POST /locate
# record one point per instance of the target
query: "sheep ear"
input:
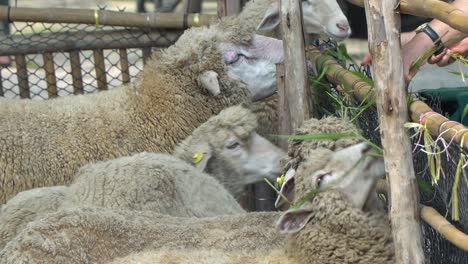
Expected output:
(271, 19)
(201, 157)
(209, 81)
(294, 220)
(286, 191)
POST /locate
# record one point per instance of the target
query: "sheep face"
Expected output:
(319, 17)
(254, 156)
(228, 148)
(254, 64)
(353, 170)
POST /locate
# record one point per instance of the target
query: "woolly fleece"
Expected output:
(27, 206)
(153, 182)
(45, 142)
(337, 233)
(98, 235)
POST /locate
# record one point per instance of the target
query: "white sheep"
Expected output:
(45, 142)
(226, 146)
(330, 228)
(320, 17)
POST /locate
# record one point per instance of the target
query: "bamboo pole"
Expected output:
(22, 73)
(436, 221)
(419, 111)
(50, 74)
(82, 40)
(391, 98)
(296, 81)
(433, 9)
(444, 227)
(124, 66)
(104, 17)
(76, 72)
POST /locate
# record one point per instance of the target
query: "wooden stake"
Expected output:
(228, 8)
(294, 62)
(391, 100)
(284, 116)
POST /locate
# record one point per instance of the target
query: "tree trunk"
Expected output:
(391, 100)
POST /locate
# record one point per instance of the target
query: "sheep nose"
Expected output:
(343, 27)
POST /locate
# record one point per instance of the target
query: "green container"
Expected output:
(453, 101)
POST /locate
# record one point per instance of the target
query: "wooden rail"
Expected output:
(104, 18)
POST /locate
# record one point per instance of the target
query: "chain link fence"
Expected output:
(51, 59)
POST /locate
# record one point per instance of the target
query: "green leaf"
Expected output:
(423, 185)
(412, 125)
(465, 112)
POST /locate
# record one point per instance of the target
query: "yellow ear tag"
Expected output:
(197, 157)
(280, 180)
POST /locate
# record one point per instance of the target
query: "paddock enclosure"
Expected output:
(65, 51)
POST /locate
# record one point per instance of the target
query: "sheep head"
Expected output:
(224, 55)
(319, 17)
(353, 170)
(228, 148)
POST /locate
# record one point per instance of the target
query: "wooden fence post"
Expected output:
(227, 8)
(294, 62)
(391, 100)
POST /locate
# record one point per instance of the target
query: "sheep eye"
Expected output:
(320, 179)
(233, 145)
(236, 58)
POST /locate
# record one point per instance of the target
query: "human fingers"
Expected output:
(436, 58)
(367, 59)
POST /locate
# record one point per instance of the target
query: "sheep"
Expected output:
(331, 228)
(299, 151)
(206, 70)
(232, 150)
(226, 147)
(320, 17)
(163, 183)
(25, 207)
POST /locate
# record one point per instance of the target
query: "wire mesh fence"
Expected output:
(51, 59)
(438, 195)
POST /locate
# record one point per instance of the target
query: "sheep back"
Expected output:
(98, 235)
(148, 181)
(25, 207)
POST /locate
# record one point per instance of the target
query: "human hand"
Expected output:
(445, 57)
(405, 37)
